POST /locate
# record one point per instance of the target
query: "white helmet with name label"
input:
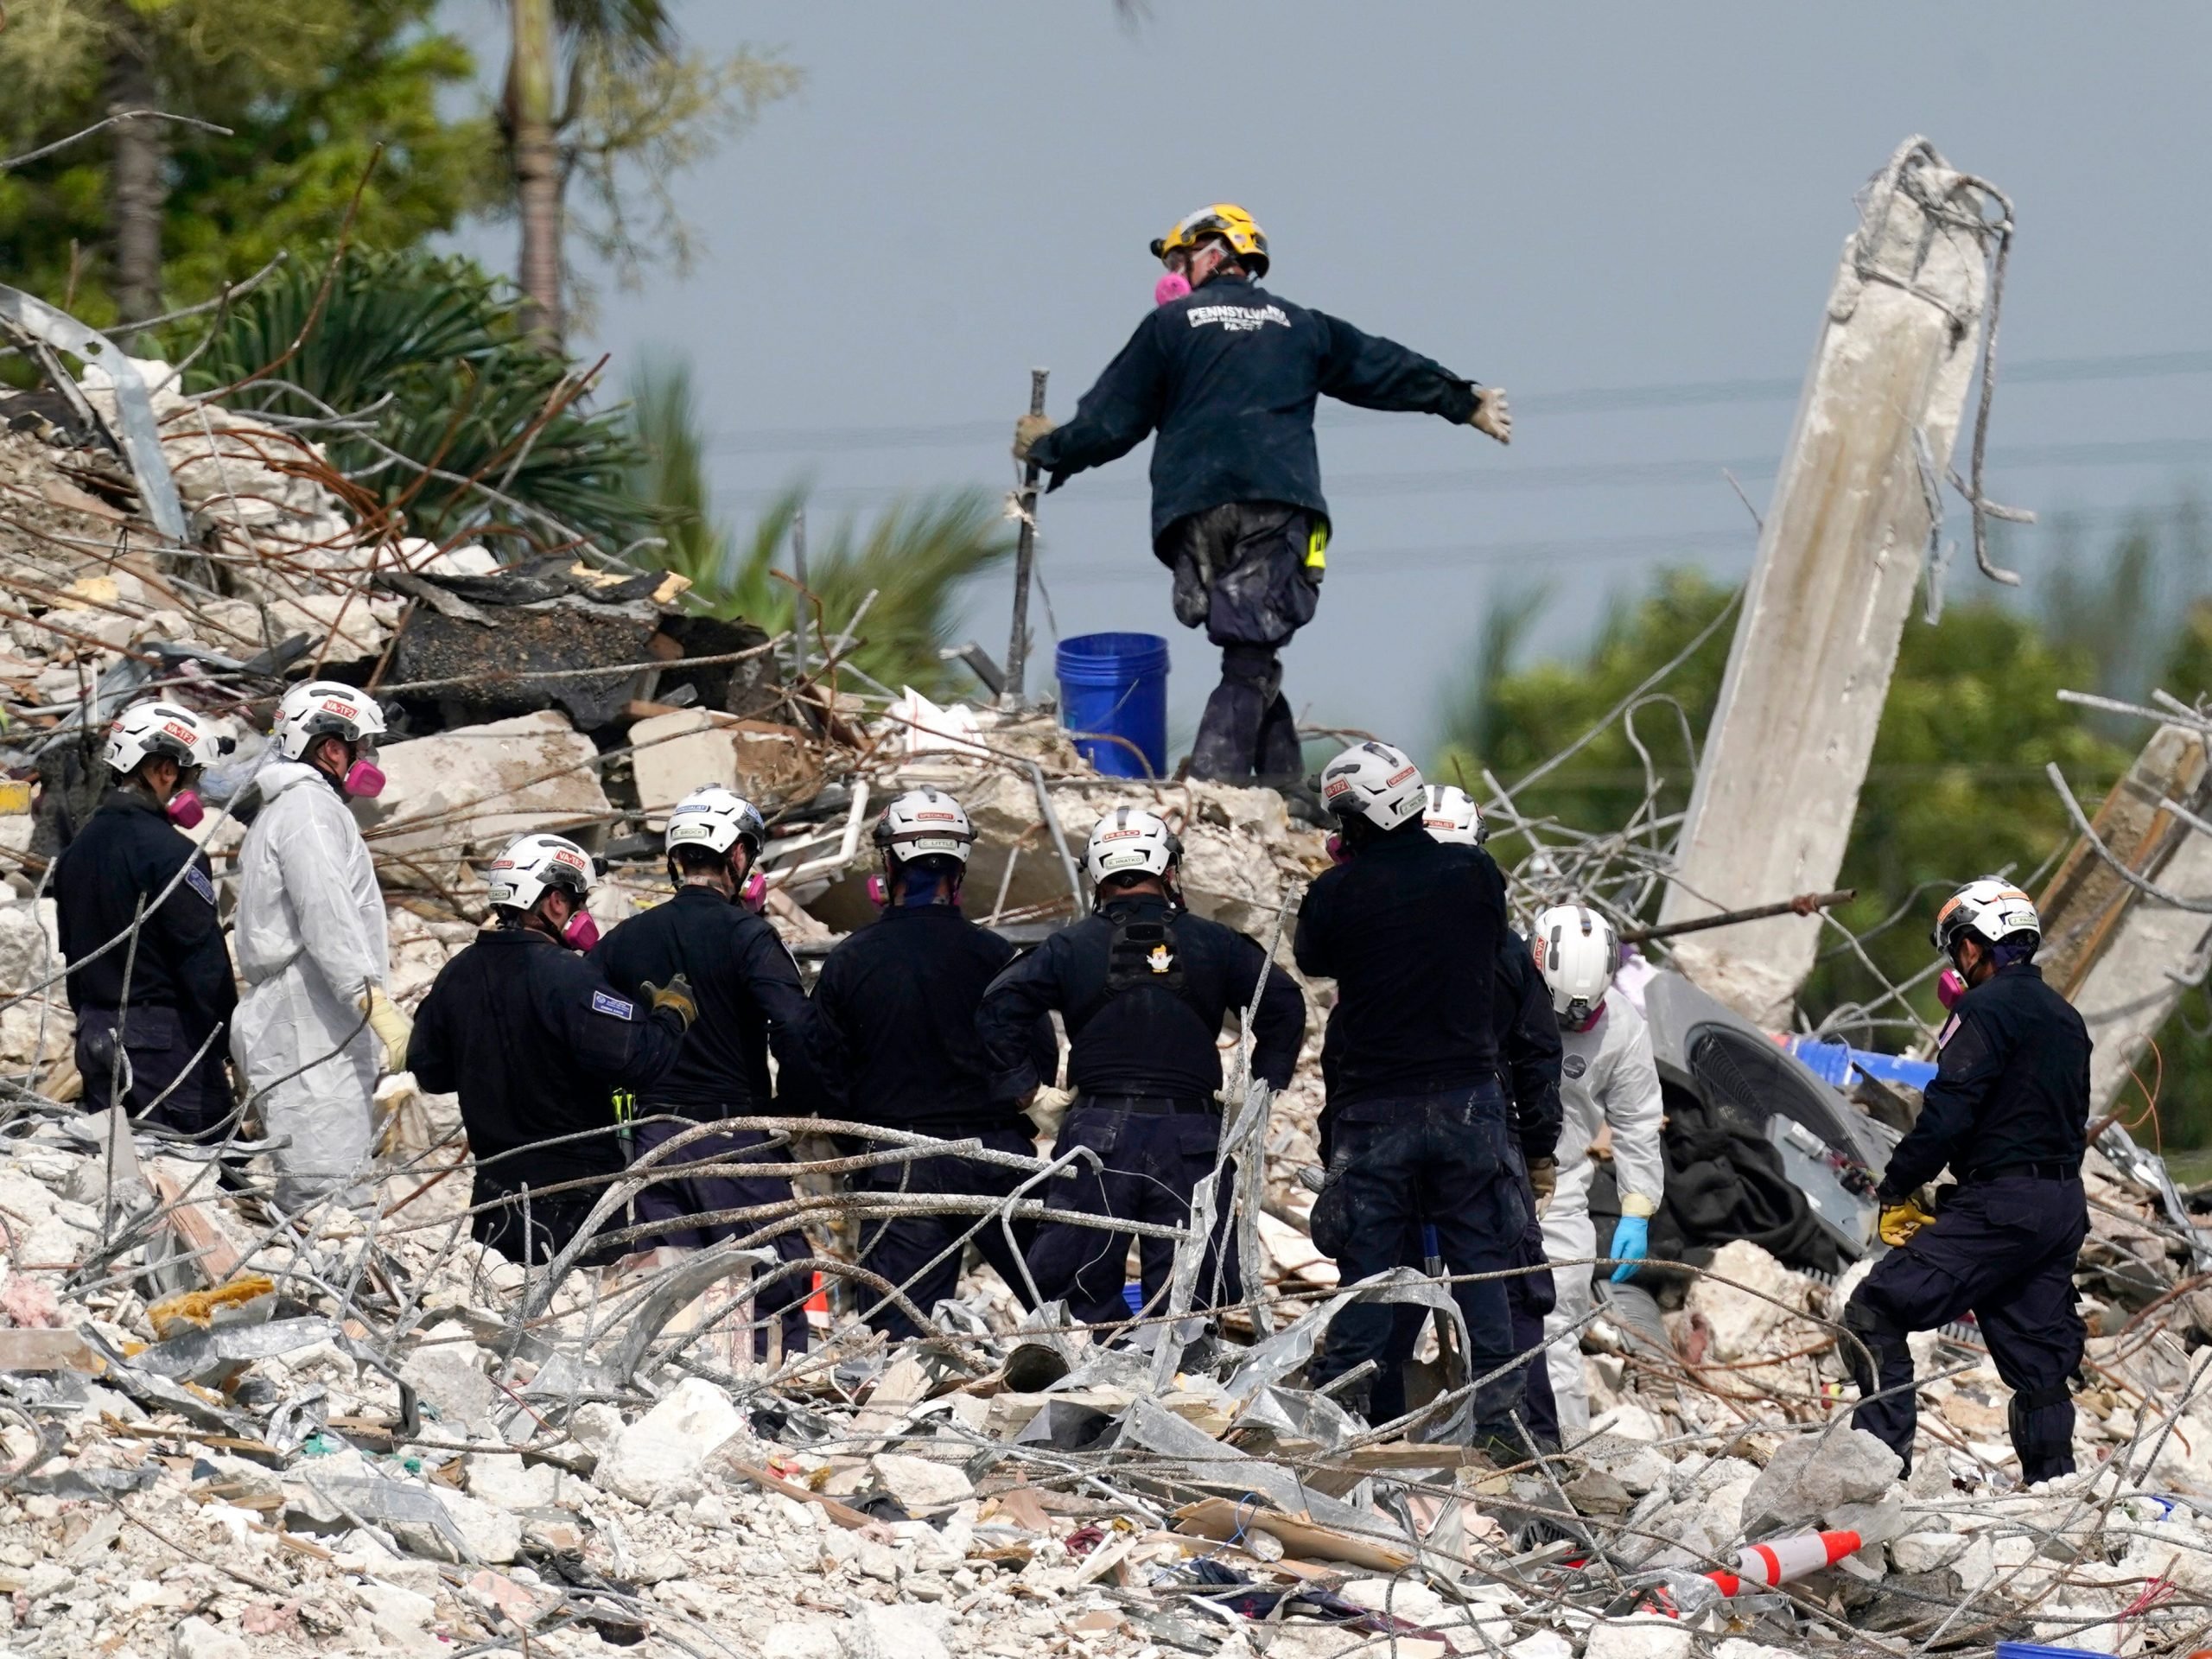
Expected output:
(717, 819)
(1991, 910)
(924, 823)
(167, 728)
(1452, 816)
(318, 707)
(1577, 951)
(1376, 782)
(520, 875)
(1129, 839)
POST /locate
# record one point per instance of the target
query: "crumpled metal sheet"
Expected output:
(198, 1355)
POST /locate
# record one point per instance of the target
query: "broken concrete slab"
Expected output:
(468, 791)
(658, 1458)
(1812, 1475)
(675, 754)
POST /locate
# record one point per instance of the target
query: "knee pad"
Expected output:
(1257, 666)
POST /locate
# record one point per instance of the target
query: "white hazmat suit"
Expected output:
(1607, 1076)
(310, 939)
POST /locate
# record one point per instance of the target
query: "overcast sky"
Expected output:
(1557, 199)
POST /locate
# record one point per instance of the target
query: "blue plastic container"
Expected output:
(2030, 1650)
(1132, 1294)
(1114, 685)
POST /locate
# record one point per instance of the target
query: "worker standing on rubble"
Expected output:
(1528, 1054)
(315, 1024)
(750, 1000)
(894, 1042)
(1611, 1080)
(1416, 1130)
(149, 1010)
(533, 1039)
(2008, 1112)
(1228, 374)
(1142, 986)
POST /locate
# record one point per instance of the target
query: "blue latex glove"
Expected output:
(1631, 1239)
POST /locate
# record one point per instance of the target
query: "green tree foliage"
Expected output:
(309, 88)
(434, 351)
(914, 557)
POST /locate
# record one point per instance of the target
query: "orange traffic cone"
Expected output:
(1762, 1567)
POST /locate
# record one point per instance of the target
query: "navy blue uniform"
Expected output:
(2008, 1112)
(180, 991)
(1228, 377)
(894, 1041)
(534, 1040)
(751, 1003)
(1417, 1129)
(1142, 989)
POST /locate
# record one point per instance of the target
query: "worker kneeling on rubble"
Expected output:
(534, 1040)
(712, 937)
(1609, 1079)
(1416, 1130)
(1227, 375)
(149, 1010)
(315, 1024)
(894, 1042)
(2008, 1111)
(1142, 986)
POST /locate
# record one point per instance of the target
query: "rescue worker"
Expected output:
(1142, 986)
(533, 1039)
(1528, 1064)
(1227, 375)
(750, 1001)
(315, 1024)
(894, 1042)
(1416, 1127)
(2008, 1112)
(148, 1017)
(1609, 1079)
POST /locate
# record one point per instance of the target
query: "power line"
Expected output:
(1589, 400)
(2127, 452)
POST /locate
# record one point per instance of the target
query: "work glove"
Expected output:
(1543, 1181)
(1900, 1221)
(393, 1028)
(1026, 431)
(676, 994)
(1047, 1108)
(1631, 1243)
(1491, 416)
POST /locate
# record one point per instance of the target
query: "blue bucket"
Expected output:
(2030, 1650)
(1115, 686)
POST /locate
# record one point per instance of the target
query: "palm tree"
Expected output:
(913, 558)
(592, 85)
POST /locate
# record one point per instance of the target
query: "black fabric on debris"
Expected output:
(1725, 1181)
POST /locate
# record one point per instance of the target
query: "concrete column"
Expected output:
(1840, 555)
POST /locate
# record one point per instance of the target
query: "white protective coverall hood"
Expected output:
(310, 938)
(1607, 1076)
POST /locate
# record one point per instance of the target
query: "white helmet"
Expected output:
(924, 823)
(1991, 909)
(1129, 838)
(530, 864)
(148, 728)
(1452, 816)
(1376, 782)
(1577, 951)
(315, 707)
(717, 819)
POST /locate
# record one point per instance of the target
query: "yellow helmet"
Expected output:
(1226, 220)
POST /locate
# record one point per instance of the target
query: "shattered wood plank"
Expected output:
(1219, 1518)
(844, 1515)
(212, 1257)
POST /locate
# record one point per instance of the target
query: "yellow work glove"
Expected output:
(392, 1027)
(1491, 416)
(676, 994)
(1900, 1221)
(1048, 1108)
(1026, 431)
(1543, 1181)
